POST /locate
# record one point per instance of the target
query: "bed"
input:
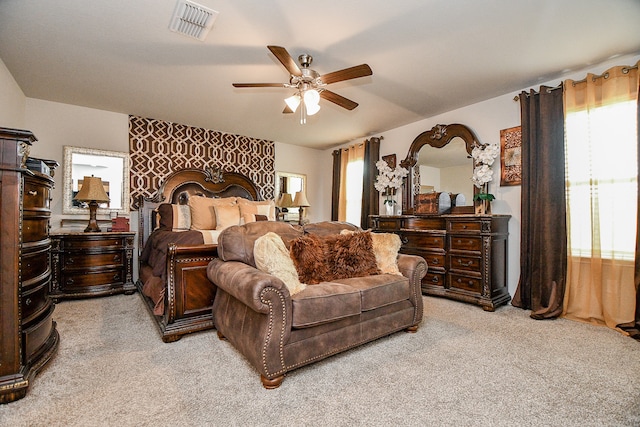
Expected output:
(172, 259)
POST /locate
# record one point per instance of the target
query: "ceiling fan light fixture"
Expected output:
(312, 108)
(293, 102)
(311, 97)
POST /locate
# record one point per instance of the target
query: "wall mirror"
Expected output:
(110, 166)
(439, 160)
(290, 183)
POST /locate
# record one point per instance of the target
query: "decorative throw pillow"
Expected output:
(259, 207)
(272, 256)
(385, 248)
(326, 258)
(203, 216)
(174, 217)
(226, 216)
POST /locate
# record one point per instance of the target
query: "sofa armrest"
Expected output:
(246, 283)
(414, 268)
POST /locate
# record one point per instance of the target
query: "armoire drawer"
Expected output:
(34, 264)
(35, 301)
(36, 196)
(35, 229)
(35, 336)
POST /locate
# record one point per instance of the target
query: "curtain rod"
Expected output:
(625, 70)
(549, 89)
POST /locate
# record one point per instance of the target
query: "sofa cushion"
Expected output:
(272, 256)
(379, 290)
(326, 258)
(323, 303)
(236, 243)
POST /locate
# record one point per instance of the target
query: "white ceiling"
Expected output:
(427, 56)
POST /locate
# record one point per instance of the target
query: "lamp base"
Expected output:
(93, 223)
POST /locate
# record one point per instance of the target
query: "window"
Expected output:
(601, 171)
(354, 191)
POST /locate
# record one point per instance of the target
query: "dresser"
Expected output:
(28, 335)
(466, 254)
(87, 264)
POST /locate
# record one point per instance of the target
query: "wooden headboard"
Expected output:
(179, 186)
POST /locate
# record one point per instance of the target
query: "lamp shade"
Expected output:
(301, 200)
(92, 190)
(285, 201)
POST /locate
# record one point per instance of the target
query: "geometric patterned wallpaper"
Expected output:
(158, 148)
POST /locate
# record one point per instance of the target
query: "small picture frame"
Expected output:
(511, 156)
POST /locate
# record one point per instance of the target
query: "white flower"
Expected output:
(389, 178)
(484, 156)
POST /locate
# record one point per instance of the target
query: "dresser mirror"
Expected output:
(439, 160)
(290, 183)
(112, 167)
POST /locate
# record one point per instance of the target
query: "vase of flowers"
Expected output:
(483, 158)
(388, 182)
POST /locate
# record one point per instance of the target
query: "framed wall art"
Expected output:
(510, 156)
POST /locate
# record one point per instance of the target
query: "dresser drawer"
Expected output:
(467, 283)
(36, 196)
(465, 263)
(81, 281)
(35, 301)
(466, 243)
(422, 240)
(88, 243)
(434, 260)
(35, 336)
(84, 260)
(35, 229)
(433, 279)
(34, 264)
(465, 226)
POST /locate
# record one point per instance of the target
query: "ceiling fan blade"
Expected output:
(347, 74)
(286, 60)
(338, 99)
(259, 85)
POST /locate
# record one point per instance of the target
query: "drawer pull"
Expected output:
(464, 264)
(435, 279)
(116, 276)
(464, 227)
(32, 192)
(434, 261)
(117, 258)
(404, 240)
(470, 282)
(69, 281)
(27, 301)
(70, 261)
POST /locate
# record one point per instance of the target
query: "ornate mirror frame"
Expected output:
(437, 137)
(67, 188)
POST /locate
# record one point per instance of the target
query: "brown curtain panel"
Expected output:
(543, 247)
(335, 184)
(370, 196)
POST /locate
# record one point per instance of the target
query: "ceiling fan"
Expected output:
(310, 86)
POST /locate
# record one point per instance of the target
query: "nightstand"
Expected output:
(91, 264)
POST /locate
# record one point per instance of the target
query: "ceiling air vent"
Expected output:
(192, 19)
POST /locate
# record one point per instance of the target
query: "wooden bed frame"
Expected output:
(189, 294)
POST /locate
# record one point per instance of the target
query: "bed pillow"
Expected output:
(226, 216)
(262, 207)
(338, 256)
(272, 256)
(174, 217)
(385, 248)
(203, 216)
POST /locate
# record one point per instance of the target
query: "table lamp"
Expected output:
(301, 202)
(92, 191)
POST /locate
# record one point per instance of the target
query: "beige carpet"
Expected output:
(464, 367)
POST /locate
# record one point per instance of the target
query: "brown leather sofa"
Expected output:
(277, 332)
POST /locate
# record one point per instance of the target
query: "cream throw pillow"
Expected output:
(226, 216)
(385, 247)
(272, 256)
(203, 216)
(262, 207)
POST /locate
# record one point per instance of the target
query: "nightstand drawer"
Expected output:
(92, 243)
(80, 281)
(466, 243)
(83, 261)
